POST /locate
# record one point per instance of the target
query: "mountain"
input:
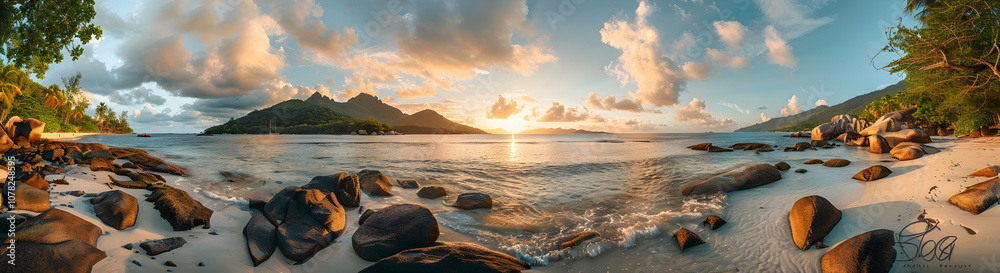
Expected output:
(557, 131)
(288, 117)
(822, 114)
(364, 106)
(499, 131)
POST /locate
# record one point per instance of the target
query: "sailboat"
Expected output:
(270, 128)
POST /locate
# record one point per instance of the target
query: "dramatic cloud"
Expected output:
(731, 33)
(300, 19)
(137, 96)
(561, 113)
(764, 118)
(658, 79)
(820, 102)
(792, 15)
(695, 113)
(425, 90)
(611, 103)
(778, 51)
(792, 107)
(503, 108)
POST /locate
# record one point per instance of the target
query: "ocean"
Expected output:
(544, 187)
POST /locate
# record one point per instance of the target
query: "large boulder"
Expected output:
(877, 144)
(838, 125)
(990, 171)
(749, 146)
(54, 241)
(314, 219)
(709, 147)
(431, 192)
(28, 198)
(802, 146)
(374, 183)
(157, 247)
(812, 218)
(855, 139)
(907, 135)
(178, 208)
(5, 142)
(750, 177)
(36, 180)
(260, 236)
(782, 166)
(116, 209)
(869, 252)
(345, 187)
(276, 208)
(978, 197)
(31, 129)
(891, 122)
(907, 151)
(872, 173)
(449, 258)
(393, 229)
(473, 201)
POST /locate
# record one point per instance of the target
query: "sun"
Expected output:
(512, 125)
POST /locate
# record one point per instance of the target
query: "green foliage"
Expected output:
(370, 125)
(68, 128)
(35, 32)
(289, 117)
(62, 110)
(89, 128)
(950, 62)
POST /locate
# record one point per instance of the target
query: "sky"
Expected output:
(618, 66)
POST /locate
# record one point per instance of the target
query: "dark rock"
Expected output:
(577, 239)
(116, 208)
(801, 171)
(201, 264)
(144, 135)
(751, 176)
(473, 201)
(374, 183)
(256, 203)
(29, 128)
(170, 264)
(872, 173)
(749, 146)
(276, 208)
(28, 198)
(708, 147)
(52, 154)
(37, 181)
(819, 143)
(314, 219)
(855, 139)
(687, 239)
(802, 146)
(76, 193)
(261, 238)
(449, 258)
(408, 184)
(99, 154)
(782, 166)
(127, 246)
(156, 247)
(990, 171)
(877, 144)
(977, 198)
(869, 252)
(364, 216)
(837, 162)
(393, 229)
(813, 162)
(812, 218)
(182, 211)
(713, 221)
(431, 192)
(345, 187)
(763, 149)
(55, 241)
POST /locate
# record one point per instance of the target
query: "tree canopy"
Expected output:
(35, 32)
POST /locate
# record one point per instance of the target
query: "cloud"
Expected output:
(734, 107)
(684, 45)
(792, 107)
(561, 113)
(821, 102)
(764, 118)
(360, 86)
(658, 79)
(695, 113)
(792, 15)
(301, 20)
(503, 108)
(778, 51)
(696, 70)
(611, 103)
(137, 96)
(680, 12)
(720, 58)
(731, 33)
(425, 90)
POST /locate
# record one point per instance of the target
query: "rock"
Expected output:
(393, 229)
(364, 216)
(751, 176)
(687, 239)
(408, 184)
(577, 239)
(54, 241)
(260, 237)
(987, 131)
(977, 198)
(802, 146)
(838, 125)
(473, 201)
(820, 143)
(878, 145)
(812, 218)
(837, 162)
(182, 211)
(99, 154)
(14, 218)
(170, 264)
(713, 221)
(749, 146)
(891, 122)
(990, 171)
(345, 187)
(763, 149)
(314, 219)
(5, 142)
(855, 139)
(907, 151)
(782, 166)
(76, 193)
(156, 247)
(103, 164)
(52, 154)
(144, 135)
(374, 183)
(29, 128)
(943, 132)
(801, 171)
(813, 162)
(116, 208)
(708, 147)
(432, 192)
(449, 258)
(869, 252)
(36, 181)
(908, 135)
(28, 198)
(276, 208)
(800, 134)
(171, 169)
(872, 173)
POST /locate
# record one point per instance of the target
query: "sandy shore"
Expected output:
(757, 237)
(66, 136)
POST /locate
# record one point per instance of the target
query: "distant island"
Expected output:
(322, 115)
(558, 131)
(809, 119)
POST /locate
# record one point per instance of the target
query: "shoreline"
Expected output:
(67, 136)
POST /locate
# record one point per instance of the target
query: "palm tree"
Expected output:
(921, 8)
(9, 89)
(102, 112)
